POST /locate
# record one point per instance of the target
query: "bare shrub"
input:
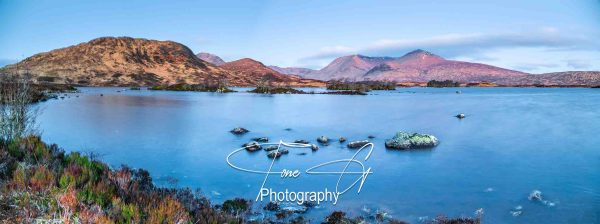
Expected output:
(17, 115)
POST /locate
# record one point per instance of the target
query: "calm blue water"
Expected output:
(514, 141)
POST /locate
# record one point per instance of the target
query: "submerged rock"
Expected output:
(371, 136)
(460, 116)
(342, 139)
(323, 139)
(535, 195)
(277, 153)
(252, 146)
(261, 139)
(357, 144)
(314, 147)
(271, 148)
(239, 131)
(301, 141)
(274, 154)
(404, 140)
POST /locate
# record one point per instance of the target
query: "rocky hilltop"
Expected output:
(210, 58)
(125, 61)
(112, 61)
(251, 71)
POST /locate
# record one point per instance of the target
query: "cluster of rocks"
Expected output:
(536, 195)
(401, 141)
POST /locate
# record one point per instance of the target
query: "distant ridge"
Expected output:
(252, 71)
(422, 66)
(292, 70)
(348, 67)
(210, 58)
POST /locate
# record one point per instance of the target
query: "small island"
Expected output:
(441, 84)
(219, 87)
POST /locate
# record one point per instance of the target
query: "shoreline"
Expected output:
(76, 187)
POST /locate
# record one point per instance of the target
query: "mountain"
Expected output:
(252, 71)
(126, 61)
(210, 58)
(292, 70)
(117, 61)
(348, 67)
(415, 66)
(422, 66)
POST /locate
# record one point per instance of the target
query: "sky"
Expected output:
(534, 36)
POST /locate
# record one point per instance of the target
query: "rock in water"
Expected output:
(300, 141)
(271, 148)
(342, 139)
(535, 195)
(460, 116)
(277, 153)
(404, 140)
(314, 147)
(323, 139)
(239, 131)
(357, 144)
(261, 139)
(274, 154)
(252, 146)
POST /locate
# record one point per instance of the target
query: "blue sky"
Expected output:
(533, 36)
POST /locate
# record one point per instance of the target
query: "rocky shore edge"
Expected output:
(39, 182)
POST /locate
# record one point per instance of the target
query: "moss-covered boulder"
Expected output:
(405, 140)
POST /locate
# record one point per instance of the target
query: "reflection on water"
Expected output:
(513, 141)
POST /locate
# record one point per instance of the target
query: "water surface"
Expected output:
(513, 141)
